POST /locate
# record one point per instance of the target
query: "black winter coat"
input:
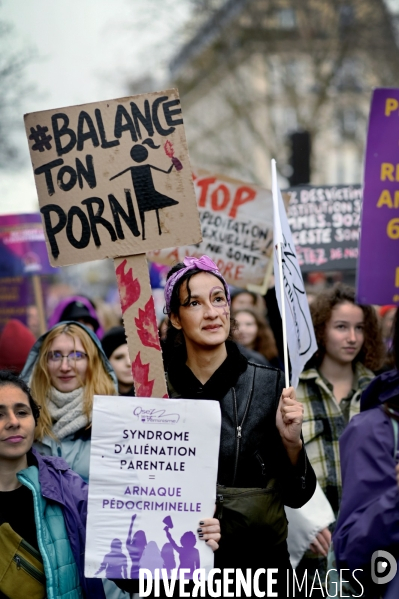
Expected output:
(252, 455)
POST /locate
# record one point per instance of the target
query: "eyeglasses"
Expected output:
(57, 356)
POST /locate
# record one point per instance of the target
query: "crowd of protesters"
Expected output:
(224, 344)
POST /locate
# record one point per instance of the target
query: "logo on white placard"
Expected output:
(153, 416)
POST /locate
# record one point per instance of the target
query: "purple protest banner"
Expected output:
(23, 246)
(23, 255)
(15, 296)
(378, 266)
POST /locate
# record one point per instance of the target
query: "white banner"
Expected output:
(300, 334)
(153, 469)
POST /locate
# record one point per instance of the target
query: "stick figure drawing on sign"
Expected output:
(148, 198)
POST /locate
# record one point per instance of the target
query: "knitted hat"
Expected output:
(384, 309)
(76, 310)
(112, 340)
(16, 341)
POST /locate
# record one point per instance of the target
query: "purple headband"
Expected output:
(203, 263)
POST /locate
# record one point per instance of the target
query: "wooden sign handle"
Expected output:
(37, 291)
(141, 328)
(262, 289)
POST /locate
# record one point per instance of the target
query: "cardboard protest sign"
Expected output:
(114, 180)
(324, 221)
(153, 469)
(378, 270)
(237, 228)
(23, 252)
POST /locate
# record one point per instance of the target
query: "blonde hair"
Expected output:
(98, 381)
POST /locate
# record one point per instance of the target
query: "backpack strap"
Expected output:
(395, 427)
(396, 437)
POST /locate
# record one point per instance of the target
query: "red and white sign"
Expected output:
(237, 229)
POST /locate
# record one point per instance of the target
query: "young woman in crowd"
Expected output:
(79, 309)
(242, 298)
(350, 348)
(253, 333)
(260, 443)
(115, 348)
(369, 513)
(65, 369)
(44, 503)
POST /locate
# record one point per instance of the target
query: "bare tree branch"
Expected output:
(13, 87)
(274, 66)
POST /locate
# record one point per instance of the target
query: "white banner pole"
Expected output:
(280, 268)
(284, 322)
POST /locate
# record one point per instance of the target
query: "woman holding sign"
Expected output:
(65, 369)
(262, 462)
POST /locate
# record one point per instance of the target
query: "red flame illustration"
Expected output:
(169, 149)
(129, 288)
(146, 324)
(142, 385)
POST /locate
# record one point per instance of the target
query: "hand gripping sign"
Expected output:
(114, 181)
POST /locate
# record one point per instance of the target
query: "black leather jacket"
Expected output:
(251, 455)
(251, 450)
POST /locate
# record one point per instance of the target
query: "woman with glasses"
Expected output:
(65, 369)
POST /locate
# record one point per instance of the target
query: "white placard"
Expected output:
(306, 522)
(153, 469)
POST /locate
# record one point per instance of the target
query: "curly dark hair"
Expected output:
(9, 379)
(372, 353)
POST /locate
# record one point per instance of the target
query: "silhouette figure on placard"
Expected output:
(188, 554)
(135, 544)
(151, 558)
(168, 556)
(148, 198)
(114, 562)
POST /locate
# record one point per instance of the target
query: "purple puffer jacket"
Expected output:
(369, 512)
(60, 484)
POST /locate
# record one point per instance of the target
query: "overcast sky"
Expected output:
(87, 49)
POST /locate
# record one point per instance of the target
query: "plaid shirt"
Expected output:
(323, 424)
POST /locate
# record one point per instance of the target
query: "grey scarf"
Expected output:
(66, 411)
